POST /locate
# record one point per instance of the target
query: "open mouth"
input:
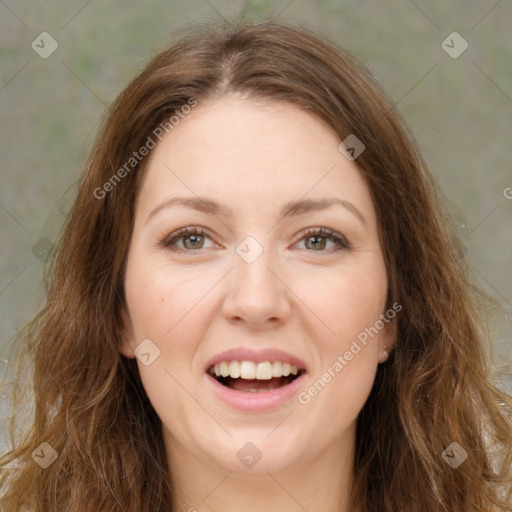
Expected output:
(250, 377)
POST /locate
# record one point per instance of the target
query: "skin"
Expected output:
(311, 302)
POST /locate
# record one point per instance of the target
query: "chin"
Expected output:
(255, 451)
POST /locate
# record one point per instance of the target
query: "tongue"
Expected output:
(252, 384)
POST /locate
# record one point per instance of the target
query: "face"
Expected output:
(267, 278)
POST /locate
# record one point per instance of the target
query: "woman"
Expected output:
(255, 305)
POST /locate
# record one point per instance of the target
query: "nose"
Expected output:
(257, 294)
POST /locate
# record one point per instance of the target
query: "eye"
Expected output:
(317, 239)
(192, 238)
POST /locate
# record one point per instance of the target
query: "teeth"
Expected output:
(264, 370)
(234, 369)
(224, 369)
(277, 369)
(247, 370)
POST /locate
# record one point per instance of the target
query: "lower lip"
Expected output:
(255, 402)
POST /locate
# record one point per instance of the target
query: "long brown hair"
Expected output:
(434, 390)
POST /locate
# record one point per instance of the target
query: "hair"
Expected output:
(434, 389)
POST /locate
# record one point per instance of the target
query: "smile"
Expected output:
(251, 377)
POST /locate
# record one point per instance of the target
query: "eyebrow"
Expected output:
(290, 209)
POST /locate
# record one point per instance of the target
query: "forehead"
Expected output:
(247, 152)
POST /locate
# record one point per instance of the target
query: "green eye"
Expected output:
(319, 238)
(193, 239)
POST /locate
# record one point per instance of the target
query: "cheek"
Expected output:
(161, 299)
(345, 302)
(349, 303)
(171, 309)
(339, 402)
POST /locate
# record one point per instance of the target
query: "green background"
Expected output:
(459, 109)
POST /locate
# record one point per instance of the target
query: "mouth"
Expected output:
(251, 377)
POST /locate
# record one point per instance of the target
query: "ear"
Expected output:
(127, 342)
(387, 341)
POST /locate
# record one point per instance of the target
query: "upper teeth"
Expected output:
(264, 370)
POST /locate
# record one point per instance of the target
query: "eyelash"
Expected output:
(340, 241)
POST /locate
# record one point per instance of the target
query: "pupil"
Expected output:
(193, 239)
(320, 245)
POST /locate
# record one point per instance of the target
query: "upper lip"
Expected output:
(257, 356)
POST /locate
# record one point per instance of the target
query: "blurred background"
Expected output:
(445, 65)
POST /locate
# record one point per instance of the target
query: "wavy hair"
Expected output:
(435, 388)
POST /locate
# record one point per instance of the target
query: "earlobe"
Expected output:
(126, 343)
(386, 343)
(126, 346)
